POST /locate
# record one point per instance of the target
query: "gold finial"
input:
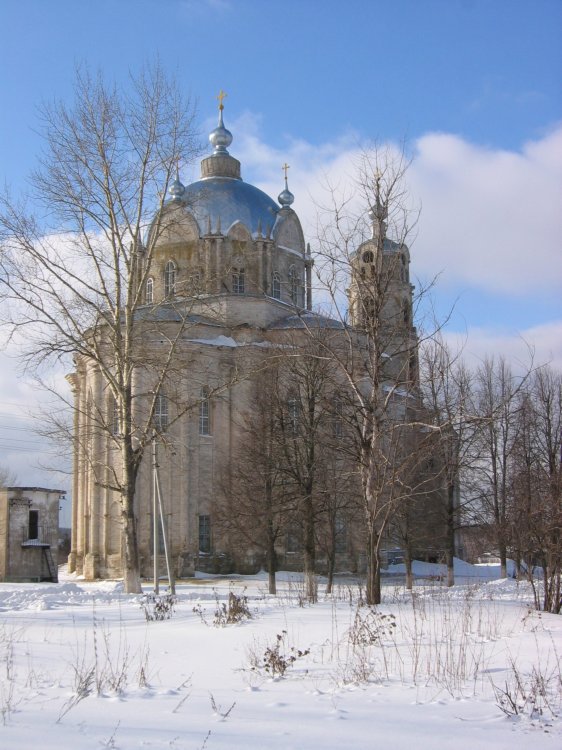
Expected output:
(285, 167)
(220, 97)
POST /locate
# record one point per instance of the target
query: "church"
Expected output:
(230, 282)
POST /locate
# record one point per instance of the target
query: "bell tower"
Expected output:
(381, 298)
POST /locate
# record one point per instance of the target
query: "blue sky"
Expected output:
(472, 85)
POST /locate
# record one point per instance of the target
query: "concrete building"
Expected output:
(29, 531)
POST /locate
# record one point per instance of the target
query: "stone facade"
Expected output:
(229, 277)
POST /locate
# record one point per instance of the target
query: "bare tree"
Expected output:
(375, 356)
(256, 506)
(8, 478)
(447, 387)
(535, 486)
(496, 392)
(73, 273)
(303, 417)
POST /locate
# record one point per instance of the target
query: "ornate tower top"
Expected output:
(220, 137)
(379, 212)
(285, 197)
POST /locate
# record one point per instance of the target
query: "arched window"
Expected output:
(238, 281)
(368, 257)
(276, 286)
(293, 285)
(403, 268)
(149, 292)
(169, 279)
(161, 413)
(204, 413)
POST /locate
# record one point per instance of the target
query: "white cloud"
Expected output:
(490, 218)
(536, 346)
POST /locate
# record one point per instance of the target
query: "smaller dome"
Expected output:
(176, 189)
(220, 137)
(285, 197)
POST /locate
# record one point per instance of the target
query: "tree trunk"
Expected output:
(503, 559)
(331, 570)
(131, 561)
(131, 566)
(271, 564)
(450, 548)
(408, 564)
(373, 592)
(309, 553)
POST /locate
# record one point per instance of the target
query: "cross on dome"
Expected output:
(222, 95)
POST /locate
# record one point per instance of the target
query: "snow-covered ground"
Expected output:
(81, 667)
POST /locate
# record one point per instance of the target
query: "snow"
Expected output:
(216, 341)
(228, 341)
(80, 666)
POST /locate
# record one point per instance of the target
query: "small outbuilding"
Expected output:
(29, 532)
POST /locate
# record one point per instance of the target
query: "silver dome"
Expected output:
(229, 200)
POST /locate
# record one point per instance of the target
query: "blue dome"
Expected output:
(230, 200)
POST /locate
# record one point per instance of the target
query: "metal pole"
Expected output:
(154, 515)
(164, 536)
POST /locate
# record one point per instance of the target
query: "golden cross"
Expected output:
(220, 97)
(285, 167)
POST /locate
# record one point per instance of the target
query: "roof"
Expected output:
(229, 200)
(34, 489)
(306, 319)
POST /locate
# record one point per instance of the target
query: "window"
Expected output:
(368, 257)
(169, 279)
(368, 311)
(294, 542)
(149, 293)
(205, 534)
(293, 415)
(161, 413)
(204, 413)
(276, 286)
(194, 284)
(413, 366)
(33, 525)
(114, 415)
(238, 281)
(293, 285)
(337, 420)
(406, 311)
(341, 536)
(160, 536)
(403, 269)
